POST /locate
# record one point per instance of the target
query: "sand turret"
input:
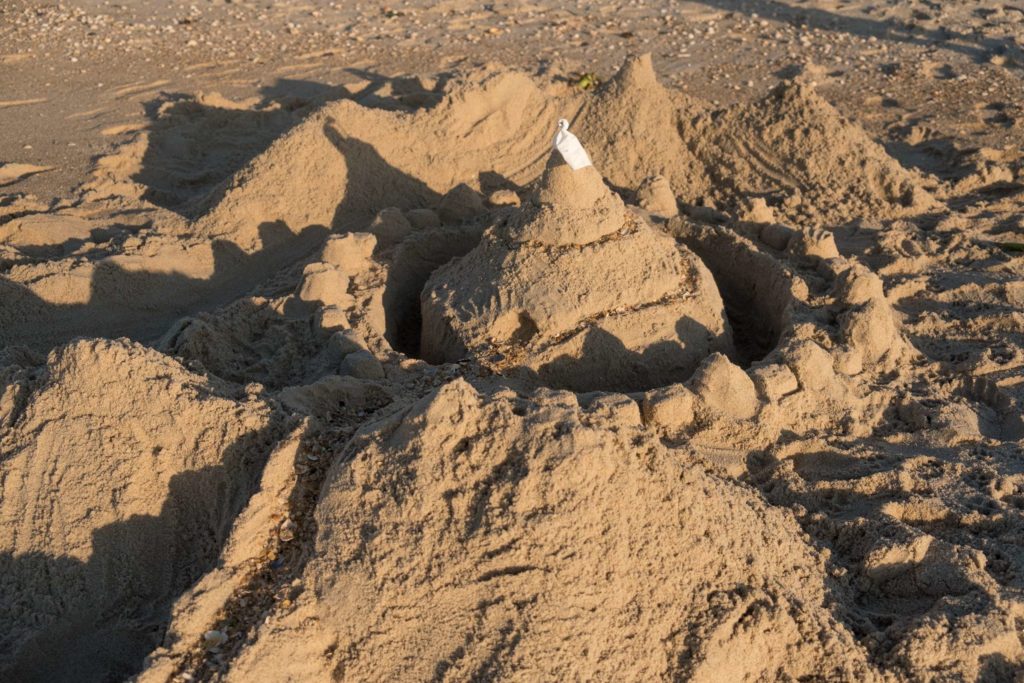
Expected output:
(578, 290)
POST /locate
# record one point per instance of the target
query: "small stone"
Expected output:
(287, 531)
(214, 639)
(503, 198)
(363, 365)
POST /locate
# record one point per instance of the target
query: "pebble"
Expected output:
(287, 531)
(214, 639)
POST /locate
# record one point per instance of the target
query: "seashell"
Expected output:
(287, 531)
(214, 639)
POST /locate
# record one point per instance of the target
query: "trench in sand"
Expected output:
(752, 287)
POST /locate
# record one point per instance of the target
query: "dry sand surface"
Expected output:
(318, 364)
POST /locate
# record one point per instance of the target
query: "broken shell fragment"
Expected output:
(214, 639)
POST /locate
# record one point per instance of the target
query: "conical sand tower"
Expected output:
(578, 291)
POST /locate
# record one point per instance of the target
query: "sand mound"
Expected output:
(292, 182)
(578, 291)
(121, 476)
(794, 146)
(347, 161)
(335, 170)
(495, 537)
(631, 128)
(191, 145)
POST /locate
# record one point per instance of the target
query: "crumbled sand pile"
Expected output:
(120, 477)
(632, 125)
(795, 147)
(578, 291)
(487, 536)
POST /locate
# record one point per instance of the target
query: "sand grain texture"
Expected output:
(361, 383)
(161, 459)
(495, 536)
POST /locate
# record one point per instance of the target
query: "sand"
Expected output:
(532, 297)
(162, 461)
(369, 384)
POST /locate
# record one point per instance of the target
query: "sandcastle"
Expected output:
(578, 292)
(279, 487)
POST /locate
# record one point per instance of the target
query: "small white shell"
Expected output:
(287, 530)
(214, 639)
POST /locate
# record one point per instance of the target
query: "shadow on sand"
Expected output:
(141, 296)
(977, 47)
(67, 620)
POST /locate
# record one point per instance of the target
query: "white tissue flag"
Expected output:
(568, 145)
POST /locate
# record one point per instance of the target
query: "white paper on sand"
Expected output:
(568, 145)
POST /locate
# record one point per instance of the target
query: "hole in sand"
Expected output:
(413, 261)
(754, 333)
(753, 286)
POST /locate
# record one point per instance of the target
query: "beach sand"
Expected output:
(317, 362)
